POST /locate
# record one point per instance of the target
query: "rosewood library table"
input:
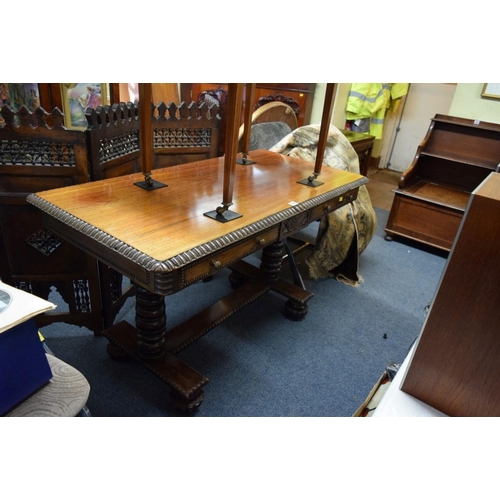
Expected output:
(163, 240)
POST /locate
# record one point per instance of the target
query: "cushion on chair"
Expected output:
(266, 135)
(63, 396)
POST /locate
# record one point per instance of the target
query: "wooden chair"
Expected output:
(181, 134)
(113, 140)
(37, 153)
(270, 123)
(275, 111)
(185, 133)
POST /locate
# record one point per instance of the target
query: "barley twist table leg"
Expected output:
(150, 319)
(271, 266)
(271, 260)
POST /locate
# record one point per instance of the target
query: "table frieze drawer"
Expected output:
(333, 204)
(227, 256)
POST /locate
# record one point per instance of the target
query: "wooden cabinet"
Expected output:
(455, 366)
(301, 93)
(363, 145)
(456, 155)
(297, 95)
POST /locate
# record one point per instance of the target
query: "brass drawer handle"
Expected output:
(261, 241)
(216, 264)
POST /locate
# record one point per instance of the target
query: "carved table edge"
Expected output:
(153, 265)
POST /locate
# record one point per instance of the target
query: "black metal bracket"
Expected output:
(222, 214)
(311, 181)
(149, 184)
(244, 160)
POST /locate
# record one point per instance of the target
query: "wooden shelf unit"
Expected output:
(456, 155)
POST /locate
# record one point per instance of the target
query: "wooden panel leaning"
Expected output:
(455, 367)
(456, 155)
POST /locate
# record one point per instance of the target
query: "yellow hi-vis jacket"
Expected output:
(372, 100)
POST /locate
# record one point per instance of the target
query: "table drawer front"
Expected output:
(333, 204)
(228, 256)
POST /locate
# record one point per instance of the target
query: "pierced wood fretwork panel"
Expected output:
(184, 133)
(182, 138)
(113, 140)
(44, 241)
(118, 147)
(39, 153)
(82, 295)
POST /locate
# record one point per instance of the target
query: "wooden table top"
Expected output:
(166, 222)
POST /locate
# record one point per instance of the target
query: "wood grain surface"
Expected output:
(166, 222)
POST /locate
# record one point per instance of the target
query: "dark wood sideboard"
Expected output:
(456, 155)
(299, 96)
(363, 145)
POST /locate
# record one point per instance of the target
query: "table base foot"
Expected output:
(296, 311)
(185, 382)
(187, 406)
(296, 307)
(115, 352)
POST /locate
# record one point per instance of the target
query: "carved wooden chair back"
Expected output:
(113, 140)
(37, 153)
(185, 133)
(270, 123)
(181, 134)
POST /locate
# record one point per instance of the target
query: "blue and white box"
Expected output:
(23, 364)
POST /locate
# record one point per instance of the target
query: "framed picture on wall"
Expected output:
(491, 90)
(20, 94)
(79, 96)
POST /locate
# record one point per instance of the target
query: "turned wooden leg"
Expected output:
(150, 319)
(295, 309)
(271, 260)
(151, 323)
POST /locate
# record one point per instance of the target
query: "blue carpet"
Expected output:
(261, 364)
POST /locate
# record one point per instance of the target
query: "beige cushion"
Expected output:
(64, 395)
